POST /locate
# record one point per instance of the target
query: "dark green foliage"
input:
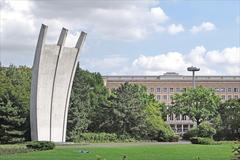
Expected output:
(14, 104)
(97, 137)
(229, 112)
(191, 133)
(131, 111)
(201, 140)
(88, 92)
(40, 145)
(205, 129)
(200, 104)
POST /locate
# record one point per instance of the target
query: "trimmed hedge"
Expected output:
(97, 137)
(40, 145)
(201, 140)
(5, 150)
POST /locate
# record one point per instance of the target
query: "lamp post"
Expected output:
(193, 70)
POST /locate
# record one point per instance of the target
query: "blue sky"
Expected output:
(129, 37)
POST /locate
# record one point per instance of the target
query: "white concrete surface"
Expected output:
(52, 75)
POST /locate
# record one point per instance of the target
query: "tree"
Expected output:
(88, 92)
(130, 111)
(200, 104)
(14, 104)
(230, 115)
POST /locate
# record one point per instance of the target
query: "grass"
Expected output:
(140, 151)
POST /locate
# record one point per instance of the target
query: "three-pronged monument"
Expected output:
(52, 77)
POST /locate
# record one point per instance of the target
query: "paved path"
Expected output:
(122, 144)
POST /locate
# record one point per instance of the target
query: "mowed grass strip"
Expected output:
(138, 152)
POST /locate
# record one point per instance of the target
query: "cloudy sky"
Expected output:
(129, 36)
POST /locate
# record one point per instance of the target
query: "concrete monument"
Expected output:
(52, 77)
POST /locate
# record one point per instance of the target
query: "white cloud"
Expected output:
(225, 62)
(159, 14)
(204, 27)
(175, 28)
(109, 62)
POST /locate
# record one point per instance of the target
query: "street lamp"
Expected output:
(193, 70)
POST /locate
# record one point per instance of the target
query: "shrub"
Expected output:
(203, 130)
(206, 130)
(236, 151)
(5, 150)
(174, 138)
(97, 137)
(40, 145)
(191, 133)
(201, 140)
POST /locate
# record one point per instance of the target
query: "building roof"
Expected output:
(170, 76)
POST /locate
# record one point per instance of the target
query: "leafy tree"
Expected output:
(14, 104)
(88, 92)
(132, 112)
(200, 104)
(157, 129)
(229, 112)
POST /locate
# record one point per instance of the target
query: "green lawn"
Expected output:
(136, 152)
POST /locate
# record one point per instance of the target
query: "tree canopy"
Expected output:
(200, 104)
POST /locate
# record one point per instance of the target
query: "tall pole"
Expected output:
(193, 70)
(193, 79)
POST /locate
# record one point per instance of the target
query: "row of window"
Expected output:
(177, 117)
(181, 128)
(158, 90)
(229, 97)
(227, 90)
(224, 97)
(164, 90)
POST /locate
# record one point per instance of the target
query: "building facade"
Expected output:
(164, 86)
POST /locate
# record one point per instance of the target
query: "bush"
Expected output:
(5, 150)
(40, 145)
(191, 133)
(97, 137)
(200, 140)
(206, 130)
(236, 151)
(174, 138)
(203, 130)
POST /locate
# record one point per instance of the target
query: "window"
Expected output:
(178, 90)
(229, 97)
(236, 96)
(177, 117)
(158, 97)
(164, 89)
(184, 89)
(179, 128)
(217, 89)
(158, 89)
(191, 126)
(165, 97)
(171, 89)
(223, 97)
(222, 90)
(171, 117)
(235, 89)
(151, 89)
(184, 117)
(185, 128)
(229, 89)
